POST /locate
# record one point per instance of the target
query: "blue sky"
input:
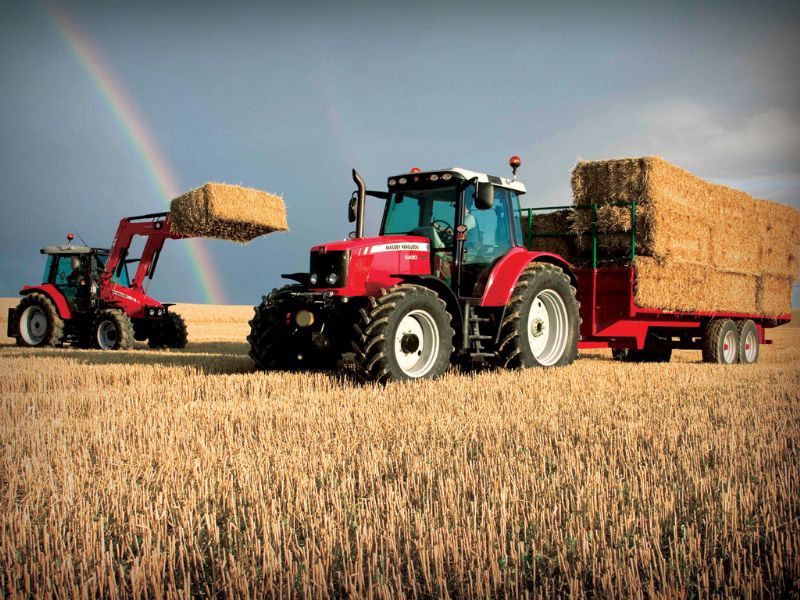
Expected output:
(290, 98)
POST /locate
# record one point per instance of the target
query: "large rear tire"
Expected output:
(171, 332)
(38, 323)
(541, 327)
(405, 333)
(113, 330)
(721, 342)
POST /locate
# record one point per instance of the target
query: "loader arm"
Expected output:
(157, 228)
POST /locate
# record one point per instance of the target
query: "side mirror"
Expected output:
(351, 208)
(484, 195)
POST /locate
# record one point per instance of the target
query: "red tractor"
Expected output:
(87, 299)
(447, 279)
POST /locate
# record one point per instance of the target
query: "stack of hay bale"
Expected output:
(699, 246)
(227, 212)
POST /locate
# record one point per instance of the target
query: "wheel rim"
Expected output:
(416, 343)
(750, 346)
(547, 327)
(33, 325)
(729, 348)
(107, 335)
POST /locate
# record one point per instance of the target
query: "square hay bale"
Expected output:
(682, 218)
(684, 287)
(552, 222)
(228, 212)
(774, 295)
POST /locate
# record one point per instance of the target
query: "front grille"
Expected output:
(325, 263)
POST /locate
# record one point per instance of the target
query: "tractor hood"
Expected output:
(373, 245)
(364, 266)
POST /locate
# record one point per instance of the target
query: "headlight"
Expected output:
(312, 279)
(392, 181)
(402, 180)
(332, 278)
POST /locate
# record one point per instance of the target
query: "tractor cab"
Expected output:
(75, 271)
(69, 269)
(471, 220)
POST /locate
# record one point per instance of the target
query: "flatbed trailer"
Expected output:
(612, 319)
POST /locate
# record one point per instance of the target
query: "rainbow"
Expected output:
(138, 134)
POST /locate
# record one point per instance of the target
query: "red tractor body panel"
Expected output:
(506, 272)
(51, 292)
(132, 301)
(375, 262)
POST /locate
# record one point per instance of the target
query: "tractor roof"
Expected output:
(65, 250)
(460, 173)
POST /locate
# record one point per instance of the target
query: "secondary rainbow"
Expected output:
(137, 131)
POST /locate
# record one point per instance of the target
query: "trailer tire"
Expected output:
(38, 322)
(721, 342)
(170, 332)
(405, 333)
(749, 343)
(112, 330)
(544, 299)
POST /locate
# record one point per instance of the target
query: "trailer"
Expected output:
(610, 317)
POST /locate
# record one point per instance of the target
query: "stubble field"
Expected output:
(175, 473)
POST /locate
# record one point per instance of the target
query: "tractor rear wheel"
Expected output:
(541, 327)
(170, 332)
(38, 322)
(113, 330)
(403, 334)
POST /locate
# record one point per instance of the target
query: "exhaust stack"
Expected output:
(362, 195)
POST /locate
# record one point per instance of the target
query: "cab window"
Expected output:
(123, 276)
(488, 230)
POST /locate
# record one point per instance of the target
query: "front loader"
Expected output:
(88, 299)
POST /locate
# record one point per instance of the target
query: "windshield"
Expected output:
(123, 276)
(429, 213)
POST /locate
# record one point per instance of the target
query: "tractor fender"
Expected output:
(51, 292)
(506, 272)
(442, 289)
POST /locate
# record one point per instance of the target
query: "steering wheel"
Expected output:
(444, 229)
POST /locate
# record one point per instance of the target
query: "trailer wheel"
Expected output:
(38, 323)
(113, 330)
(721, 342)
(749, 344)
(168, 333)
(403, 334)
(542, 323)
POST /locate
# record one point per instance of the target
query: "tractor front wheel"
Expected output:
(38, 322)
(541, 326)
(403, 334)
(270, 339)
(170, 332)
(113, 330)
